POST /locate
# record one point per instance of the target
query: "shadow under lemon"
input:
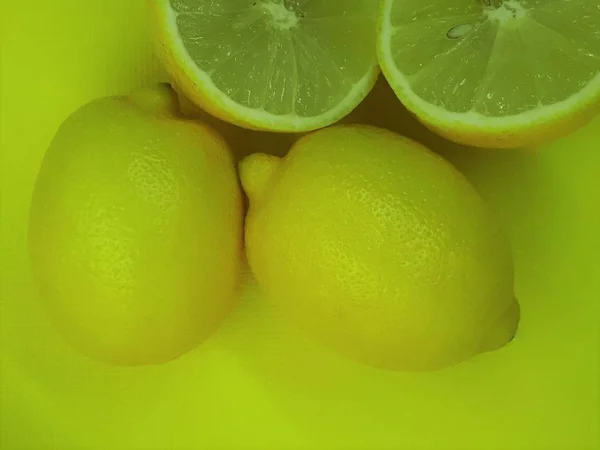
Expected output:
(381, 108)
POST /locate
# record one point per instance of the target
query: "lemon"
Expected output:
(279, 65)
(380, 249)
(135, 229)
(494, 73)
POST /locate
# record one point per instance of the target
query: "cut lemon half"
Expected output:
(494, 73)
(278, 65)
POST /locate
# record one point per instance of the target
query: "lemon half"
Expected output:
(494, 73)
(280, 65)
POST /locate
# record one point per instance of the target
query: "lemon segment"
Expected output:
(281, 65)
(494, 73)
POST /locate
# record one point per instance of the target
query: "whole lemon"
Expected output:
(379, 248)
(136, 228)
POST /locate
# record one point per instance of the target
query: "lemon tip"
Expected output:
(159, 99)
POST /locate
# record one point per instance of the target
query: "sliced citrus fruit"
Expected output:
(280, 65)
(494, 73)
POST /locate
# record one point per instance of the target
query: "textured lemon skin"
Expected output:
(515, 132)
(380, 249)
(135, 229)
(184, 78)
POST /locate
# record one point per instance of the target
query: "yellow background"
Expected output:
(258, 384)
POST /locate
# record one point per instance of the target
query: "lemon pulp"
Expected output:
(492, 64)
(285, 65)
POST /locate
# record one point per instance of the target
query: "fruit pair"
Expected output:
(487, 73)
(364, 238)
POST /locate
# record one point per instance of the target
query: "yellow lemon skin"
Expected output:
(380, 249)
(135, 229)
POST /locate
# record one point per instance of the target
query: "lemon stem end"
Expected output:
(158, 99)
(256, 172)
